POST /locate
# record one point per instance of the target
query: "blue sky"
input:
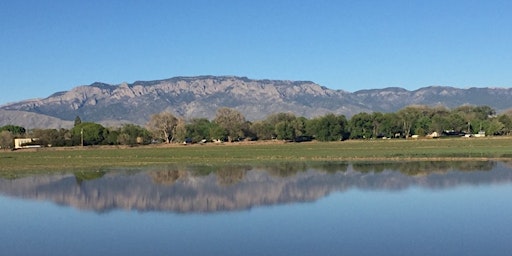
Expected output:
(50, 46)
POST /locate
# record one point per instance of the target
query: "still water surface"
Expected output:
(421, 208)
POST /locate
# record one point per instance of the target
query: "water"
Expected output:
(439, 208)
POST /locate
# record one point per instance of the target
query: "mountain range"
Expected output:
(201, 96)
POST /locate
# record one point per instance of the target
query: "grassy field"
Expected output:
(93, 158)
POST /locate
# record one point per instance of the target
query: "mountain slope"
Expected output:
(31, 120)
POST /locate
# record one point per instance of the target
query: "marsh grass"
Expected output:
(96, 158)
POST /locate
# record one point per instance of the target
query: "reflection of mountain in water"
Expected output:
(207, 189)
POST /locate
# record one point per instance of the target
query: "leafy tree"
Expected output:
(423, 126)
(123, 139)
(284, 131)
(506, 120)
(328, 128)
(408, 117)
(361, 126)
(377, 121)
(286, 126)
(299, 125)
(473, 113)
(14, 129)
(232, 121)
(217, 132)
(283, 126)
(484, 112)
(263, 130)
(457, 122)
(93, 133)
(163, 126)
(440, 122)
(199, 129)
(132, 134)
(390, 125)
(279, 117)
(494, 127)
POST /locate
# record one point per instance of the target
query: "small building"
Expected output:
(20, 143)
(480, 134)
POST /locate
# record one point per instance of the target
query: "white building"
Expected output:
(21, 143)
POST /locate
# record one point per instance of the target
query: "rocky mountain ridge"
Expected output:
(201, 96)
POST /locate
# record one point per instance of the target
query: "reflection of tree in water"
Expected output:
(231, 175)
(424, 167)
(88, 175)
(202, 170)
(168, 177)
(330, 167)
(286, 169)
(236, 187)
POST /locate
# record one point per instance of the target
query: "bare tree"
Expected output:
(180, 132)
(6, 140)
(163, 126)
(232, 121)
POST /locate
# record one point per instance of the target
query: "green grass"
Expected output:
(70, 159)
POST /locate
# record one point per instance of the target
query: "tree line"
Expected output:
(230, 125)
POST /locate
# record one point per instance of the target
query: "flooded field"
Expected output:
(329, 208)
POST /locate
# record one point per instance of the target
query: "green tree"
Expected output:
(286, 126)
(14, 129)
(299, 126)
(263, 130)
(408, 117)
(506, 120)
(361, 126)
(440, 122)
(273, 119)
(457, 122)
(494, 127)
(329, 127)
(132, 134)
(423, 125)
(92, 133)
(390, 125)
(217, 132)
(284, 131)
(124, 139)
(199, 129)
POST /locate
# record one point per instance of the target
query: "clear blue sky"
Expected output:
(50, 46)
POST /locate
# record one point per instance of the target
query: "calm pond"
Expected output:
(415, 208)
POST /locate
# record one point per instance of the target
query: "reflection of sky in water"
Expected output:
(463, 220)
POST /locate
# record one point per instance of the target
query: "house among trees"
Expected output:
(26, 143)
(480, 134)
